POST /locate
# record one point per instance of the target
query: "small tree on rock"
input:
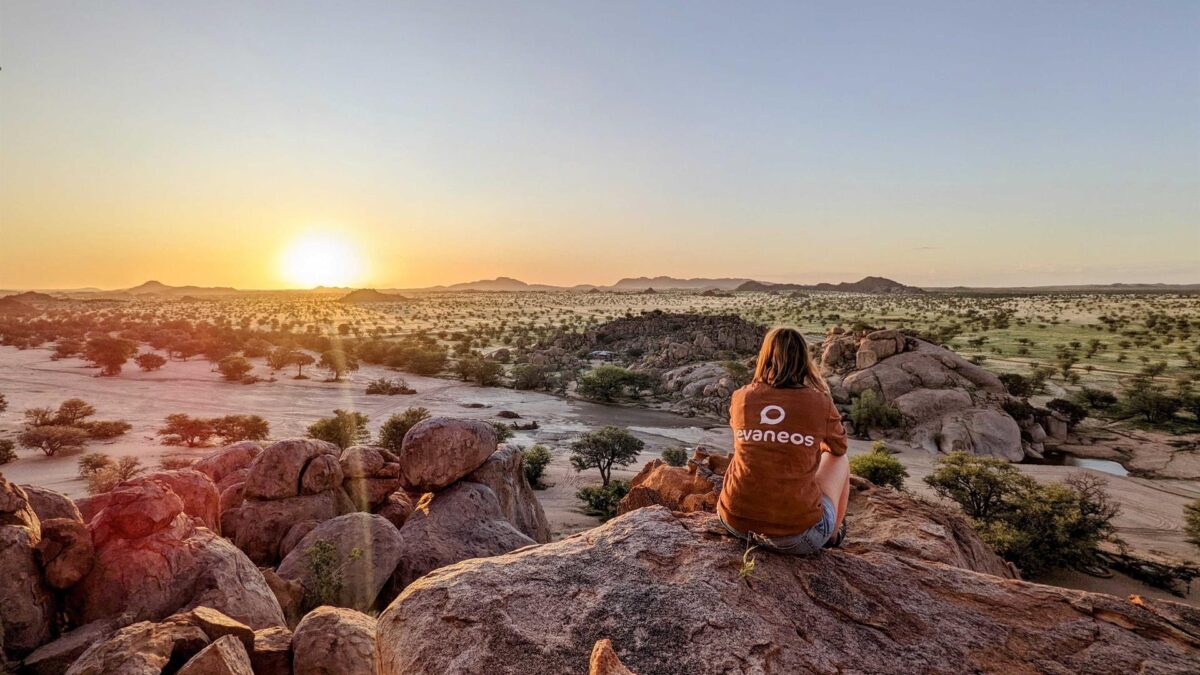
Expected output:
(602, 450)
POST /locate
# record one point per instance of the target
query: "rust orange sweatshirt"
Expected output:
(778, 437)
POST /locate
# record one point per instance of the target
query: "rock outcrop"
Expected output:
(691, 488)
(196, 490)
(367, 546)
(290, 481)
(371, 474)
(503, 473)
(151, 560)
(335, 640)
(462, 522)
(440, 450)
(47, 503)
(670, 590)
(27, 606)
(949, 404)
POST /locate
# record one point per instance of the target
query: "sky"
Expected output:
(404, 144)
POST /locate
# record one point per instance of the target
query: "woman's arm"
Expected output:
(835, 433)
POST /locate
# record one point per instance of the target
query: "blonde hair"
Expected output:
(784, 361)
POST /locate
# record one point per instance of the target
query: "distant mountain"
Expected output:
(672, 283)
(160, 289)
(368, 295)
(873, 285)
(497, 284)
(10, 306)
(32, 296)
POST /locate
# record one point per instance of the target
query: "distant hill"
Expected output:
(32, 296)
(1081, 288)
(10, 306)
(497, 284)
(368, 295)
(672, 283)
(874, 285)
(160, 289)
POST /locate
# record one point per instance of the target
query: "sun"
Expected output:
(322, 259)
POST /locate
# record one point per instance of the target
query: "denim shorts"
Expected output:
(806, 543)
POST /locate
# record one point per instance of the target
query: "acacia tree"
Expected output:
(109, 353)
(233, 368)
(52, 439)
(300, 359)
(150, 361)
(183, 429)
(234, 428)
(339, 362)
(602, 450)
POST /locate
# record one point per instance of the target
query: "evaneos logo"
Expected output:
(771, 415)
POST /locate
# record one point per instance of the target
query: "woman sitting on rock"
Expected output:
(787, 486)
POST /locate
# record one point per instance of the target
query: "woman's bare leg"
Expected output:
(833, 477)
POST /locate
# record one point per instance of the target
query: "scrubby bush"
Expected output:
(109, 353)
(183, 429)
(175, 463)
(233, 368)
(105, 429)
(338, 362)
(1017, 385)
(503, 431)
(111, 475)
(7, 453)
(388, 387)
(326, 573)
(1095, 399)
(391, 434)
(52, 439)
(527, 376)
(675, 456)
(92, 462)
(3, 403)
(602, 450)
(1191, 522)
(879, 467)
(869, 411)
(344, 429)
(602, 501)
(1037, 527)
(608, 382)
(150, 361)
(1074, 412)
(534, 462)
(234, 428)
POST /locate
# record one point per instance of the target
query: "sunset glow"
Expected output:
(322, 259)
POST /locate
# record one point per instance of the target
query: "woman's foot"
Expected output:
(838, 537)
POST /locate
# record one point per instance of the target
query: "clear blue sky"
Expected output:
(937, 143)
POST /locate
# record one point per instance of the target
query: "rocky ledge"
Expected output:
(673, 594)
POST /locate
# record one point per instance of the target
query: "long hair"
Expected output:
(784, 361)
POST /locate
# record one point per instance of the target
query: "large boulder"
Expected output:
(152, 560)
(377, 543)
(335, 640)
(196, 490)
(223, 656)
(504, 474)
(278, 472)
(978, 431)
(143, 648)
(65, 552)
(272, 653)
(27, 608)
(228, 460)
(54, 658)
(462, 522)
(47, 503)
(260, 525)
(440, 450)
(671, 590)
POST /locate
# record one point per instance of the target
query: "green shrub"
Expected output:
(1074, 412)
(503, 431)
(880, 468)
(109, 476)
(1037, 527)
(105, 429)
(326, 572)
(344, 429)
(173, 463)
(1017, 385)
(534, 461)
(93, 461)
(675, 456)
(391, 434)
(601, 501)
(605, 383)
(7, 453)
(1191, 522)
(387, 387)
(869, 411)
(234, 428)
(1095, 399)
